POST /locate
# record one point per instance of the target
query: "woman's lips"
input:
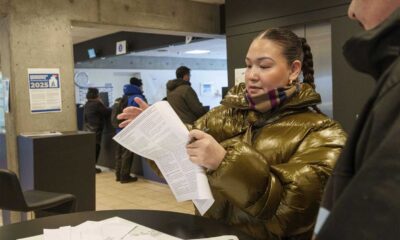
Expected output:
(254, 88)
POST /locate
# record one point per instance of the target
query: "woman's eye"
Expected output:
(248, 66)
(264, 67)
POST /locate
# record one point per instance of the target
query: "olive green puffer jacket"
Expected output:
(273, 175)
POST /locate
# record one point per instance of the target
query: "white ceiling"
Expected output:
(217, 48)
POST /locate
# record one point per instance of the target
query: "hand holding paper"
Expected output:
(158, 134)
(131, 113)
(205, 150)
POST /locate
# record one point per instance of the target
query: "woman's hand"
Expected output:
(131, 113)
(205, 150)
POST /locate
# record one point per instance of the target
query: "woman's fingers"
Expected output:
(134, 111)
(142, 104)
(193, 151)
(195, 160)
(195, 137)
(128, 115)
(125, 123)
(204, 150)
(197, 134)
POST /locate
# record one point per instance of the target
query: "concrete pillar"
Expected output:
(37, 34)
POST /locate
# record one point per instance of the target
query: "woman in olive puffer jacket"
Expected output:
(267, 149)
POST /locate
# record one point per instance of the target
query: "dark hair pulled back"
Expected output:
(294, 48)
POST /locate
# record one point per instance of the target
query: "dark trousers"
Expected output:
(123, 164)
(97, 151)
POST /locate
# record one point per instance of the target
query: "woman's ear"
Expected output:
(295, 70)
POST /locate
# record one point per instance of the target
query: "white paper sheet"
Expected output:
(62, 233)
(158, 134)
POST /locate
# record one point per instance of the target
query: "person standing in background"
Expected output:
(182, 98)
(95, 114)
(124, 157)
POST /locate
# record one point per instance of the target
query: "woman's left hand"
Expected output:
(205, 150)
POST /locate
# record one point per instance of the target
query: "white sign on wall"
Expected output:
(44, 90)
(120, 48)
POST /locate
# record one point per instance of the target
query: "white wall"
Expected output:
(154, 82)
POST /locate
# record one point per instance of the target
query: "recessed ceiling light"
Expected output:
(197, 52)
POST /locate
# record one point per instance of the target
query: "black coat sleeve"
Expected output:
(369, 206)
(193, 101)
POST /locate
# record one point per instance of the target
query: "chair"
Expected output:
(13, 198)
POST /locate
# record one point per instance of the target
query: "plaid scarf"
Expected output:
(272, 99)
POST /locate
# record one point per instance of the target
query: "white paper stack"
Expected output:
(115, 228)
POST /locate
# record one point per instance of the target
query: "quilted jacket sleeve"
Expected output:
(284, 191)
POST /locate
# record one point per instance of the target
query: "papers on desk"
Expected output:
(115, 228)
(158, 134)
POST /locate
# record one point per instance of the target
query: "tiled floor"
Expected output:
(142, 194)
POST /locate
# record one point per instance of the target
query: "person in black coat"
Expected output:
(95, 114)
(362, 198)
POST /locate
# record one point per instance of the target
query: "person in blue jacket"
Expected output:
(124, 157)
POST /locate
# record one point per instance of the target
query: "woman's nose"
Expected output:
(252, 74)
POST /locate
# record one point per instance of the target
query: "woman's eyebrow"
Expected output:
(265, 58)
(261, 58)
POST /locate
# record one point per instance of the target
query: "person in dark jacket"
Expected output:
(95, 114)
(124, 157)
(362, 198)
(182, 97)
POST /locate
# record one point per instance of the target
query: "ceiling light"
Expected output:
(197, 52)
